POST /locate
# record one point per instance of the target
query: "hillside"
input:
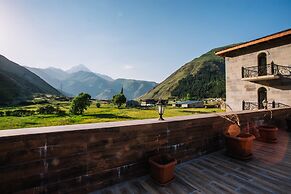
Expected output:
(18, 84)
(203, 77)
(81, 79)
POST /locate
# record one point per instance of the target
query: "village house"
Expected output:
(258, 73)
(189, 104)
(148, 102)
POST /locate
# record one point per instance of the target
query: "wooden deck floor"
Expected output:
(268, 172)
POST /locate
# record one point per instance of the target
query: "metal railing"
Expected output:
(270, 69)
(254, 105)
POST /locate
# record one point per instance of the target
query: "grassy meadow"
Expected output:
(106, 113)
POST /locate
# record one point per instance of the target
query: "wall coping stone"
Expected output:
(92, 126)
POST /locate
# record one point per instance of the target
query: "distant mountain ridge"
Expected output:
(81, 79)
(82, 67)
(203, 77)
(18, 84)
(78, 68)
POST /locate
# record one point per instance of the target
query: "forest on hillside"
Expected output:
(209, 82)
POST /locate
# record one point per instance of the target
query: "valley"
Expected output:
(106, 113)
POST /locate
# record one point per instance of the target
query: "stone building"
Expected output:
(258, 72)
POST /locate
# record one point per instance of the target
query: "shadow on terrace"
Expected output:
(268, 172)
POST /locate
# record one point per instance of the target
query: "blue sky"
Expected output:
(139, 39)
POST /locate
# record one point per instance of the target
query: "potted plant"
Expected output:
(162, 168)
(268, 131)
(238, 144)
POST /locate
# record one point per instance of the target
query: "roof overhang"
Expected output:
(278, 35)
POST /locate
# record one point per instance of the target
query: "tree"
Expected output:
(188, 96)
(119, 99)
(80, 103)
(48, 109)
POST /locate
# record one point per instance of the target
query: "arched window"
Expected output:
(262, 64)
(262, 95)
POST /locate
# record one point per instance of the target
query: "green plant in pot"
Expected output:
(162, 168)
(268, 131)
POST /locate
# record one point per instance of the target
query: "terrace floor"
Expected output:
(268, 172)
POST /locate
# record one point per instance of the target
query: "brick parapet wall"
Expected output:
(83, 158)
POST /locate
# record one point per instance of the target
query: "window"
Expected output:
(262, 64)
(262, 95)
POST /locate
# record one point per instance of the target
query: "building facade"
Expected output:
(258, 73)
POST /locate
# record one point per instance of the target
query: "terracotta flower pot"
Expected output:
(240, 146)
(161, 169)
(268, 133)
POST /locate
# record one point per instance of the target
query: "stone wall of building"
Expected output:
(83, 158)
(238, 90)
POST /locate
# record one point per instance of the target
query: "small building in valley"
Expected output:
(148, 102)
(132, 104)
(258, 72)
(189, 104)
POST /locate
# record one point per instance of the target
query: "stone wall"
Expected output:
(83, 158)
(238, 90)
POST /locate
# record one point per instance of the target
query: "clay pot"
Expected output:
(162, 171)
(268, 133)
(240, 146)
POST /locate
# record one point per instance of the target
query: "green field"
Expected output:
(106, 113)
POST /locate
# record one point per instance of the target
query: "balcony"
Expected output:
(254, 105)
(267, 72)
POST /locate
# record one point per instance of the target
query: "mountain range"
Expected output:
(81, 79)
(203, 77)
(18, 84)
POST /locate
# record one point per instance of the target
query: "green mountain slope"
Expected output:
(18, 84)
(202, 77)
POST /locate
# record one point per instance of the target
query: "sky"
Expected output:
(137, 39)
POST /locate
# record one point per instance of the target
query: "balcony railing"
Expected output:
(255, 106)
(270, 69)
